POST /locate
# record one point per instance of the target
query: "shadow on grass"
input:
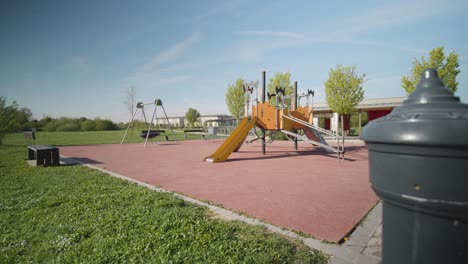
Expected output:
(85, 160)
(162, 143)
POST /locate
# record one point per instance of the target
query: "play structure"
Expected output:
(283, 116)
(147, 134)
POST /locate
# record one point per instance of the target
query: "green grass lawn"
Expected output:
(90, 137)
(76, 214)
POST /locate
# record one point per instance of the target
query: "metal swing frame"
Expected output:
(141, 106)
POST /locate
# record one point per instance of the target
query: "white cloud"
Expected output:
(346, 30)
(392, 14)
(171, 53)
(297, 39)
(270, 33)
(253, 50)
(220, 8)
(178, 67)
(292, 36)
(153, 74)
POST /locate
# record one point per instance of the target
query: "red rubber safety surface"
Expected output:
(306, 190)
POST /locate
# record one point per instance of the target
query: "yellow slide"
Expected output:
(236, 139)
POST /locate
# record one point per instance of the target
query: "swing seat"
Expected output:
(150, 134)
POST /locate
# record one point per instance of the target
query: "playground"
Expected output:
(306, 190)
(305, 184)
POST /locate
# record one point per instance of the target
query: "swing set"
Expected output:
(147, 134)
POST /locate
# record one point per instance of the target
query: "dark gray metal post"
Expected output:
(418, 159)
(262, 100)
(294, 106)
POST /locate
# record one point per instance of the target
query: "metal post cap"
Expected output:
(431, 115)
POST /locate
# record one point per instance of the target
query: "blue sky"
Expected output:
(77, 58)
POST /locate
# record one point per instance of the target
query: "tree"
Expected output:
(354, 121)
(130, 99)
(280, 80)
(344, 90)
(192, 115)
(8, 116)
(23, 119)
(235, 99)
(447, 68)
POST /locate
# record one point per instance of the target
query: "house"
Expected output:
(374, 108)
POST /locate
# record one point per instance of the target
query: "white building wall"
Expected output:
(175, 121)
(182, 122)
(315, 121)
(334, 121)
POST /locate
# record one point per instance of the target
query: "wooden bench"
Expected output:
(154, 133)
(44, 155)
(193, 130)
(161, 131)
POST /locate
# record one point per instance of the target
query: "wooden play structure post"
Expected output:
(262, 100)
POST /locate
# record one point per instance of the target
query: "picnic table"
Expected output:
(44, 155)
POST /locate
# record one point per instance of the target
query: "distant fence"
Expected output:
(221, 130)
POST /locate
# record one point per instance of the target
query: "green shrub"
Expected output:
(102, 124)
(88, 125)
(139, 125)
(65, 124)
(44, 121)
(51, 126)
(68, 127)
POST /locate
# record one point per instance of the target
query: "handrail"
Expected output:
(334, 135)
(321, 130)
(330, 148)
